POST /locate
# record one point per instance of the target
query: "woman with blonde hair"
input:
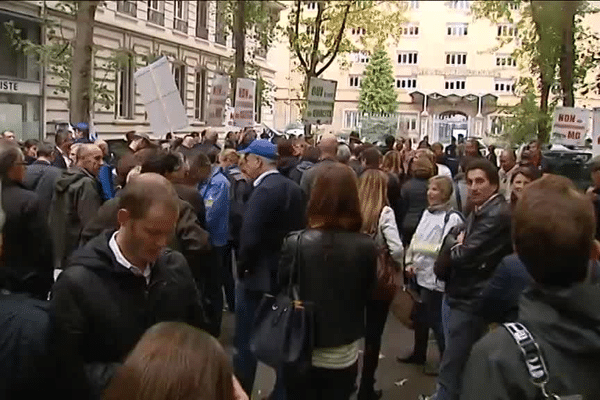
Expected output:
(437, 220)
(378, 220)
(392, 163)
(175, 361)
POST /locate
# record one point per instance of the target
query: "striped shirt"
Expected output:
(336, 357)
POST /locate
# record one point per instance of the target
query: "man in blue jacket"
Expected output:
(275, 208)
(215, 194)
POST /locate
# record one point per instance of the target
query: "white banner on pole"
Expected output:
(596, 132)
(570, 126)
(161, 98)
(217, 99)
(320, 101)
(244, 103)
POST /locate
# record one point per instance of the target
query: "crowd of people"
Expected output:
(116, 267)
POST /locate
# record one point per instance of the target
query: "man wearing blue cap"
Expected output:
(82, 133)
(275, 208)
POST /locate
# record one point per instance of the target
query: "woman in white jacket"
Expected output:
(437, 220)
(379, 221)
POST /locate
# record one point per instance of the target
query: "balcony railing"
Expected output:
(156, 17)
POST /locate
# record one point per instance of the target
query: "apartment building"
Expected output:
(450, 74)
(190, 33)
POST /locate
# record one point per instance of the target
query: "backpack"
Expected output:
(442, 263)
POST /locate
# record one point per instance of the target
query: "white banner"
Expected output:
(217, 99)
(596, 132)
(570, 126)
(320, 101)
(161, 98)
(243, 115)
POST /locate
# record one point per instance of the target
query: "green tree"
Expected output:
(377, 93)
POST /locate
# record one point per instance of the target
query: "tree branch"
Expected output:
(317, 38)
(333, 51)
(294, 38)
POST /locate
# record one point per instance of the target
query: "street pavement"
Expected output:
(397, 341)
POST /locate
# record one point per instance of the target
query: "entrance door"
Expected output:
(448, 124)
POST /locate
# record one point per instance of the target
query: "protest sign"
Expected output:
(570, 126)
(320, 101)
(243, 115)
(217, 99)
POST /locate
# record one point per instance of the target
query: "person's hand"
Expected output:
(595, 251)
(461, 238)
(238, 392)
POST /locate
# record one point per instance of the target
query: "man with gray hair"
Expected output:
(274, 209)
(328, 146)
(343, 154)
(76, 201)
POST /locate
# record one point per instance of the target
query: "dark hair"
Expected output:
(161, 162)
(553, 231)
(311, 154)
(174, 361)
(45, 149)
(61, 136)
(200, 160)
(9, 154)
(490, 170)
(129, 136)
(285, 148)
(527, 171)
(213, 155)
(30, 143)
(372, 157)
(389, 141)
(334, 200)
(130, 161)
(141, 193)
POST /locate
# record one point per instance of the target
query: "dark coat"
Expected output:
(414, 202)
(310, 176)
(27, 359)
(500, 299)
(240, 193)
(102, 309)
(192, 196)
(487, 241)
(286, 165)
(275, 208)
(27, 248)
(336, 272)
(566, 325)
(190, 239)
(59, 161)
(41, 178)
(76, 202)
(296, 173)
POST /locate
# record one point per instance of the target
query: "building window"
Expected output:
(505, 61)
(127, 7)
(200, 96)
(180, 22)
(456, 59)
(457, 29)
(408, 82)
(360, 57)
(126, 89)
(506, 86)
(220, 31)
(459, 4)
(201, 19)
(354, 81)
(156, 12)
(413, 4)
(258, 101)
(410, 30)
(356, 31)
(408, 58)
(507, 30)
(455, 84)
(312, 5)
(351, 119)
(407, 122)
(179, 74)
(513, 5)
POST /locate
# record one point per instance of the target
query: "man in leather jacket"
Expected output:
(478, 249)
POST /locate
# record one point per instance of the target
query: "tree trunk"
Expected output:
(239, 38)
(542, 125)
(567, 57)
(82, 74)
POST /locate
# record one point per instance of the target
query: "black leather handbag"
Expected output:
(283, 328)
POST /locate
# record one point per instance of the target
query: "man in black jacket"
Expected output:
(63, 142)
(472, 261)
(553, 235)
(41, 176)
(275, 208)
(27, 256)
(120, 284)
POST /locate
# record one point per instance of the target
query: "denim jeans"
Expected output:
(244, 361)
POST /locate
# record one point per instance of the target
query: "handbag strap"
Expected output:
(292, 286)
(534, 360)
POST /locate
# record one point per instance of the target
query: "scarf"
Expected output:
(440, 207)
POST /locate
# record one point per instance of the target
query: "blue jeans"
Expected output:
(445, 319)
(244, 361)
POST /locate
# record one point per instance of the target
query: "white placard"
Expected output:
(21, 87)
(243, 115)
(596, 132)
(570, 125)
(217, 99)
(320, 101)
(160, 96)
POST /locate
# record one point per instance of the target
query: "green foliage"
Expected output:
(377, 93)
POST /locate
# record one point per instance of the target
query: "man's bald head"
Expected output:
(89, 157)
(211, 137)
(328, 146)
(146, 190)
(103, 146)
(507, 159)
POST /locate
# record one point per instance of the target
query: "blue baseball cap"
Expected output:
(82, 126)
(262, 148)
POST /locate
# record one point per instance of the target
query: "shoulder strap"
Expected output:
(458, 198)
(534, 360)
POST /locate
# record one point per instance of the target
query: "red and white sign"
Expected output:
(570, 125)
(244, 103)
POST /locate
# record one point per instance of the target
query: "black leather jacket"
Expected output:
(336, 272)
(487, 241)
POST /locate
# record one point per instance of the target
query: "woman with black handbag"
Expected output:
(335, 269)
(378, 220)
